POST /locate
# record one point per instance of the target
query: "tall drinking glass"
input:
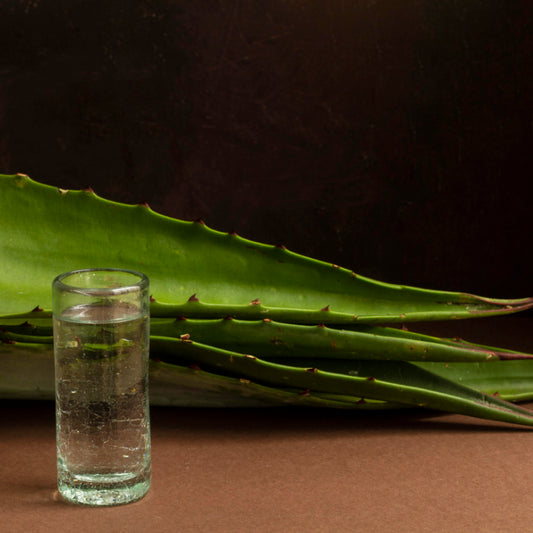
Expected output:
(101, 345)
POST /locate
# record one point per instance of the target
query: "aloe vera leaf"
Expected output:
(411, 385)
(194, 271)
(27, 372)
(267, 338)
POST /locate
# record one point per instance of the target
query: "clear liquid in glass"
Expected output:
(102, 413)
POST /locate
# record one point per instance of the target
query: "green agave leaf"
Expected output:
(510, 380)
(267, 338)
(27, 372)
(398, 381)
(194, 271)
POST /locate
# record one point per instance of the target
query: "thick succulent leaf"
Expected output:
(266, 338)
(510, 380)
(183, 386)
(27, 372)
(398, 381)
(194, 271)
(277, 339)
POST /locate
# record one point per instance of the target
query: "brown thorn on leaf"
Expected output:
(152, 299)
(312, 370)
(257, 301)
(267, 320)
(306, 392)
(193, 298)
(194, 366)
(325, 309)
(37, 309)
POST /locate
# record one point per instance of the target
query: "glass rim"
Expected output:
(142, 283)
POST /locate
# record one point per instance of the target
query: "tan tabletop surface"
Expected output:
(278, 470)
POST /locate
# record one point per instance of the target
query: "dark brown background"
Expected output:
(393, 138)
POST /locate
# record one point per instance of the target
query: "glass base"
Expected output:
(103, 489)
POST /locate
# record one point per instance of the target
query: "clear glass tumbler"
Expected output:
(101, 345)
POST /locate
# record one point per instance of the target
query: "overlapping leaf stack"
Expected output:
(239, 323)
